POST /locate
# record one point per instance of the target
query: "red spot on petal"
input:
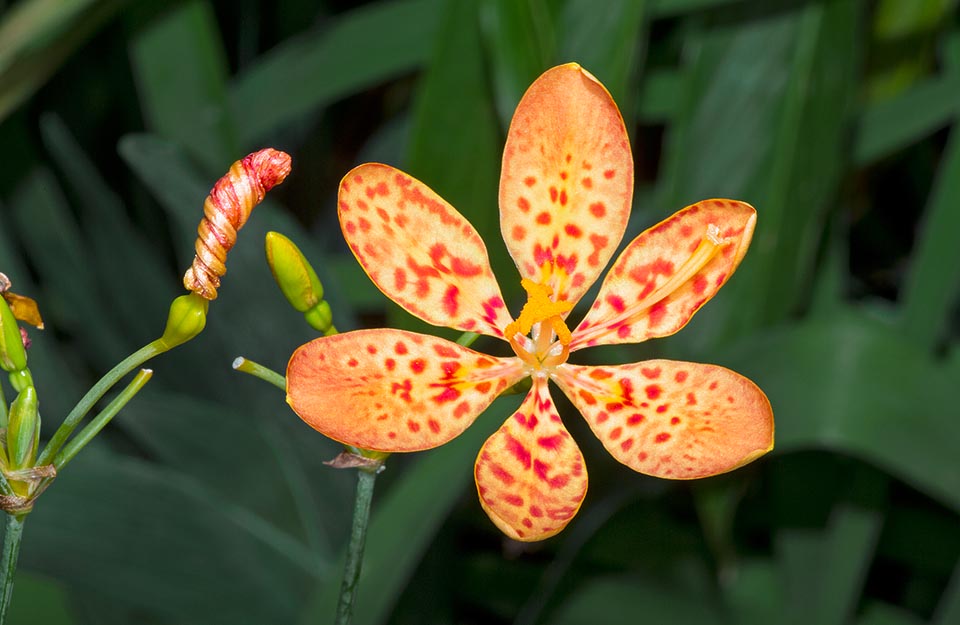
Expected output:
(523, 204)
(400, 348)
(434, 425)
(352, 362)
(371, 349)
(608, 174)
(662, 437)
(513, 500)
(691, 399)
(518, 451)
(529, 181)
(390, 364)
(680, 377)
(502, 474)
(627, 444)
(713, 386)
(699, 284)
(615, 433)
(598, 209)
(543, 218)
(447, 394)
(653, 391)
(413, 426)
(518, 233)
(651, 373)
(686, 230)
(550, 442)
(573, 231)
(623, 331)
(587, 182)
(616, 302)
(600, 374)
(535, 511)
(461, 409)
(364, 224)
(614, 406)
(563, 197)
(602, 416)
(554, 194)
(418, 365)
(445, 351)
(483, 387)
(563, 175)
(674, 420)
(642, 456)
(527, 522)
(657, 312)
(351, 227)
(587, 397)
(450, 300)
(662, 408)
(635, 419)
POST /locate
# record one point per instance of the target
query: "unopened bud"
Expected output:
(186, 319)
(23, 429)
(298, 281)
(13, 356)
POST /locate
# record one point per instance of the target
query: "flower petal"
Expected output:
(567, 181)
(678, 420)
(667, 273)
(530, 473)
(391, 390)
(419, 250)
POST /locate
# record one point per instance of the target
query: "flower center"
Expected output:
(541, 318)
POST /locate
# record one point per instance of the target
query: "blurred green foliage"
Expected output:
(206, 501)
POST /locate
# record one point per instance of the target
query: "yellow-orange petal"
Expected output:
(567, 181)
(530, 474)
(678, 420)
(420, 251)
(391, 390)
(667, 273)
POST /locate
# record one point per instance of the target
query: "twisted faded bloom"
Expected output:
(226, 210)
(565, 194)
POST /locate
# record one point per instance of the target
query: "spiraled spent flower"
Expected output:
(225, 211)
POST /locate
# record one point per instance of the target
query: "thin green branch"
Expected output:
(101, 420)
(366, 479)
(467, 338)
(8, 561)
(259, 371)
(96, 392)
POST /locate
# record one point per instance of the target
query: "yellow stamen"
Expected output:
(540, 307)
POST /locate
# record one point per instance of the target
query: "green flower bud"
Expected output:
(23, 429)
(294, 275)
(320, 317)
(13, 356)
(186, 319)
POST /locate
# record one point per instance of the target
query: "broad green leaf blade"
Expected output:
(931, 289)
(359, 49)
(38, 36)
(610, 600)
(521, 41)
(131, 274)
(609, 43)
(181, 74)
(854, 386)
(70, 296)
(406, 518)
(203, 564)
(890, 125)
(824, 571)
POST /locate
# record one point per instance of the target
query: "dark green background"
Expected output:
(206, 501)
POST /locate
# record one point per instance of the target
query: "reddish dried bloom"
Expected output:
(225, 211)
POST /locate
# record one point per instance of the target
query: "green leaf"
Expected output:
(610, 600)
(852, 385)
(38, 36)
(357, 50)
(39, 600)
(608, 43)
(181, 73)
(521, 41)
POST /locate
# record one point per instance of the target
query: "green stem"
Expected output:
(96, 392)
(11, 552)
(358, 537)
(3, 408)
(467, 338)
(259, 371)
(101, 420)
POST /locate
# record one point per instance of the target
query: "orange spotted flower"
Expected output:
(565, 194)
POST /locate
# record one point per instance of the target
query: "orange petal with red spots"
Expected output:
(419, 250)
(391, 390)
(667, 273)
(530, 473)
(670, 419)
(567, 181)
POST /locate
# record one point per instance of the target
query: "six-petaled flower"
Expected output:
(565, 194)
